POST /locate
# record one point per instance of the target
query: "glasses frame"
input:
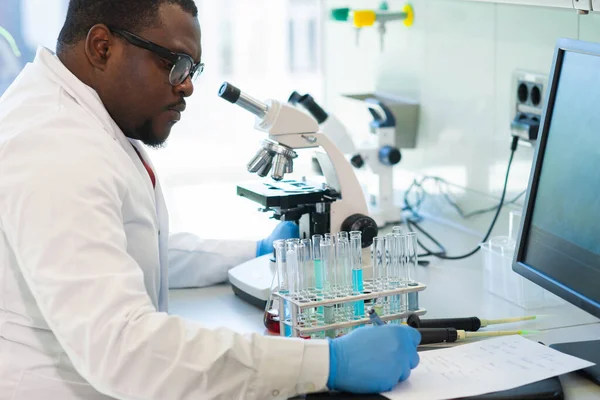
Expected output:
(196, 69)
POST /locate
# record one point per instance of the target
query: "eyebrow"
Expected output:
(177, 49)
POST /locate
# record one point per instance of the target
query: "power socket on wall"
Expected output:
(527, 103)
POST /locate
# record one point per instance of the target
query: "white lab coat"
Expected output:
(84, 265)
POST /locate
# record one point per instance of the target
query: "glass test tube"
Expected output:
(344, 278)
(411, 250)
(395, 279)
(397, 230)
(357, 272)
(343, 235)
(308, 269)
(401, 270)
(344, 268)
(306, 317)
(292, 266)
(318, 265)
(318, 268)
(280, 259)
(301, 288)
(377, 262)
(283, 281)
(328, 262)
(292, 271)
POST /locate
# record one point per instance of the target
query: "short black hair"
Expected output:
(131, 15)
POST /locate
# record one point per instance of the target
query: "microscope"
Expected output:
(376, 157)
(379, 154)
(330, 207)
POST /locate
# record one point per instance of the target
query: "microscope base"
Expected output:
(251, 281)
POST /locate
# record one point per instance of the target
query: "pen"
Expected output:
(471, 324)
(375, 320)
(441, 335)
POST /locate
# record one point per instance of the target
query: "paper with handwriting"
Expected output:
(482, 367)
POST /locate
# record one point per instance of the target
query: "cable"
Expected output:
(444, 192)
(442, 255)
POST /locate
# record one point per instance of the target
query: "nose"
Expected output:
(185, 88)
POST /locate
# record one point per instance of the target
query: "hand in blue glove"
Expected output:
(283, 230)
(373, 359)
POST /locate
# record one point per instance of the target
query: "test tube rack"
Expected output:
(298, 329)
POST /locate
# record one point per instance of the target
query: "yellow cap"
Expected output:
(410, 15)
(362, 18)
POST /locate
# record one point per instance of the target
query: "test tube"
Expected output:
(291, 242)
(308, 269)
(282, 276)
(411, 258)
(343, 236)
(395, 278)
(357, 272)
(292, 269)
(377, 262)
(397, 230)
(328, 263)
(318, 263)
(402, 270)
(280, 259)
(301, 284)
(344, 268)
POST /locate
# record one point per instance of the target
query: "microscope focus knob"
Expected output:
(357, 161)
(364, 224)
(389, 155)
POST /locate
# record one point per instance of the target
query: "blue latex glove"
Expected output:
(372, 359)
(283, 230)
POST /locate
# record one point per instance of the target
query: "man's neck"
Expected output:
(74, 60)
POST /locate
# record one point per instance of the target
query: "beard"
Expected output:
(146, 134)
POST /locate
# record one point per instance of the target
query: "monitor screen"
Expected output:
(559, 245)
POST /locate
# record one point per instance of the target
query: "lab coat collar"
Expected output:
(88, 98)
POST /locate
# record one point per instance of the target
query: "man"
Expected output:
(83, 234)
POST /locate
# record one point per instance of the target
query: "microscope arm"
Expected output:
(338, 172)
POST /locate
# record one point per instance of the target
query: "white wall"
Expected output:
(457, 60)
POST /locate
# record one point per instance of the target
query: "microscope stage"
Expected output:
(285, 194)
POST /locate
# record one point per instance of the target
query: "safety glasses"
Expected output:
(183, 64)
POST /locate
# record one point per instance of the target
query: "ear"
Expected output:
(99, 46)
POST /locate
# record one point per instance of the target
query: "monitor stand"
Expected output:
(589, 351)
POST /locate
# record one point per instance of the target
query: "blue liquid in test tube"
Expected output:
(357, 272)
(318, 264)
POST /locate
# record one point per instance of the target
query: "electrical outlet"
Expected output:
(527, 104)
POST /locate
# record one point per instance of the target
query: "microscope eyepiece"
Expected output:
(229, 92)
(234, 95)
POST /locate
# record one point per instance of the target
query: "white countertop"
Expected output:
(454, 289)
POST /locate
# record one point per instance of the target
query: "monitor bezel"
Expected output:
(562, 46)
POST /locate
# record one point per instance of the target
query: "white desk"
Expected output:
(453, 289)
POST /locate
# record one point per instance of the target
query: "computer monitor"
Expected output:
(559, 242)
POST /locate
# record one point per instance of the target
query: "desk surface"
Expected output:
(453, 289)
